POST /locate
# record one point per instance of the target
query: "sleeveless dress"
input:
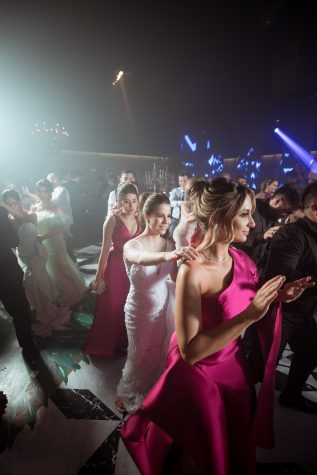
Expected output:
(68, 279)
(108, 332)
(40, 289)
(148, 328)
(209, 408)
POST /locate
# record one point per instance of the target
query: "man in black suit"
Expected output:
(266, 217)
(12, 293)
(293, 253)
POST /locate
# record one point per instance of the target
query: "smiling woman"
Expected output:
(150, 259)
(204, 403)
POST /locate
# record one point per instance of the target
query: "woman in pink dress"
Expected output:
(111, 283)
(204, 404)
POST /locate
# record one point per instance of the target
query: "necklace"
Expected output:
(221, 259)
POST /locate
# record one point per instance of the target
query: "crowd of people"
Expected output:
(201, 289)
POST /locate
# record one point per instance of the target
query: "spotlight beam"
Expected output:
(298, 150)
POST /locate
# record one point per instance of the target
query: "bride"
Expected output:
(150, 258)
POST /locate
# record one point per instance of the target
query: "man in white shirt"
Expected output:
(125, 176)
(177, 196)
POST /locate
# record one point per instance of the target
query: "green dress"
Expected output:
(66, 276)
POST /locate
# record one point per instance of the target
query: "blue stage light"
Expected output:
(298, 151)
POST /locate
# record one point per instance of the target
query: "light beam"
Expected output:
(298, 150)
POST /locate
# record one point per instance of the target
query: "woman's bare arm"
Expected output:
(107, 232)
(196, 344)
(135, 255)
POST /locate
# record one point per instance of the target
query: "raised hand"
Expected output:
(16, 210)
(263, 298)
(270, 232)
(292, 290)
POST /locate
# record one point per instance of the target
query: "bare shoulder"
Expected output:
(132, 243)
(110, 221)
(190, 270)
(138, 239)
(111, 218)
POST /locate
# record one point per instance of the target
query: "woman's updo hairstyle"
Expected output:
(216, 204)
(148, 202)
(124, 189)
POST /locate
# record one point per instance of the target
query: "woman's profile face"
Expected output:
(160, 219)
(130, 204)
(43, 193)
(243, 221)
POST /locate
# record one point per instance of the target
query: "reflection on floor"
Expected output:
(63, 420)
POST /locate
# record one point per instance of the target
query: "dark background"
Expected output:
(223, 69)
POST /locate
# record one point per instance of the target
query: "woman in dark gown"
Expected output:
(111, 283)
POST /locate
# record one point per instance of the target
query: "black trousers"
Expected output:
(12, 296)
(300, 332)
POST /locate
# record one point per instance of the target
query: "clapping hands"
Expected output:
(292, 290)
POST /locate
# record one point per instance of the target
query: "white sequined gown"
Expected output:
(149, 323)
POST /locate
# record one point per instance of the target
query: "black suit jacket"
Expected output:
(9, 239)
(293, 253)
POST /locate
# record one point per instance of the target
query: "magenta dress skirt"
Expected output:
(108, 332)
(210, 409)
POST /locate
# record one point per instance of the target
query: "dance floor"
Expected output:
(63, 421)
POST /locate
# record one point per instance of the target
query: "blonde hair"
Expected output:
(215, 205)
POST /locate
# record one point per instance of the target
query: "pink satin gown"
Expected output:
(108, 332)
(209, 409)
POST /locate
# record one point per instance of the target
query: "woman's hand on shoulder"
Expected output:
(185, 253)
(116, 212)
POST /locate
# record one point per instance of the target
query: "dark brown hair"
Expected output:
(126, 188)
(148, 202)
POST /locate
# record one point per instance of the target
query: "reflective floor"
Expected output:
(63, 421)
